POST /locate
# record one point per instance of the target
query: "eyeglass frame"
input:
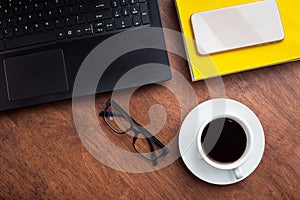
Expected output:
(137, 129)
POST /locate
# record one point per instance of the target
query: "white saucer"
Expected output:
(188, 136)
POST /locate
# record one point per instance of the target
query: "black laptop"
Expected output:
(44, 42)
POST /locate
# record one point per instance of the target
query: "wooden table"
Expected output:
(42, 155)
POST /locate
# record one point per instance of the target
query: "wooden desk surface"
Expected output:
(42, 155)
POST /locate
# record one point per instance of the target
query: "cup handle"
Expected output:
(238, 173)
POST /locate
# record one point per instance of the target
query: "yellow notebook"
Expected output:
(202, 67)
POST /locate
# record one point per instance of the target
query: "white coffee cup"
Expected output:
(234, 166)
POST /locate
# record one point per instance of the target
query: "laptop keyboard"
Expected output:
(29, 22)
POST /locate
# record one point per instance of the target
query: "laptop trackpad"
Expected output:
(35, 74)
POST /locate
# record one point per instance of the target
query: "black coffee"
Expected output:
(224, 140)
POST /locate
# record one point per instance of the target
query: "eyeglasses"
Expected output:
(144, 143)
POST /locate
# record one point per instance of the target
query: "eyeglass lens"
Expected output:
(116, 120)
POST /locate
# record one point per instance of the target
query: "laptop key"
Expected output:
(70, 33)
(70, 2)
(136, 20)
(88, 30)
(79, 31)
(99, 5)
(84, 8)
(49, 4)
(134, 9)
(59, 3)
(81, 19)
(39, 27)
(2, 23)
(115, 3)
(59, 23)
(70, 21)
(116, 12)
(38, 6)
(99, 16)
(99, 30)
(61, 34)
(98, 25)
(74, 10)
(18, 31)
(8, 32)
(123, 23)
(29, 29)
(133, 1)
(144, 13)
(109, 25)
(49, 25)
(125, 11)
(124, 2)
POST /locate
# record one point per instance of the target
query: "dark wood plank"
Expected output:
(43, 157)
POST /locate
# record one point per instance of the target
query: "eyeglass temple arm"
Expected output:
(153, 155)
(151, 137)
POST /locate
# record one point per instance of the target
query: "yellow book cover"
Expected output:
(202, 67)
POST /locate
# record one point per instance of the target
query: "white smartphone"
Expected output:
(237, 26)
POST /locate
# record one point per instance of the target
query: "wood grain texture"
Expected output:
(42, 156)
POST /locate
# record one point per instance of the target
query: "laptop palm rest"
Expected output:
(36, 74)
